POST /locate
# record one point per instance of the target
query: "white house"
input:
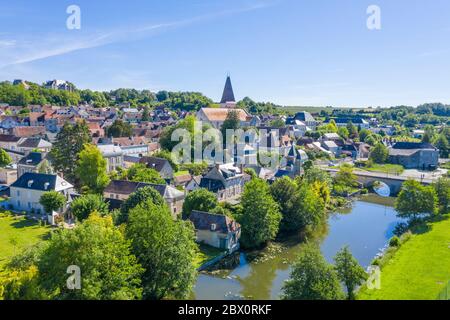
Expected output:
(113, 155)
(26, 193)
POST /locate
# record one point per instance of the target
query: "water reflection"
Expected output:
(365, 227)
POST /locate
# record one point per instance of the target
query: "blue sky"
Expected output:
(291, 52)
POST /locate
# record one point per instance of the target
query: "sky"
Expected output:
(290, 52)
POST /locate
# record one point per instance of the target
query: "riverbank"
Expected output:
(366, 226)
(420, 269)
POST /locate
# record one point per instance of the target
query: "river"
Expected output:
(365, 227)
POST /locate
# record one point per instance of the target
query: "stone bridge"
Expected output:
(367, 179)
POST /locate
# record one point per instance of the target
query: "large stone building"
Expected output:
(414, 155)
(216, 116)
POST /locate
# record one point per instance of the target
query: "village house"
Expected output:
(34, 162)
(113, 156)
(119, 190)
(343, 122)
(9, 142)
(303, 121)
(28, 145)
(132, 146)
(162, 166)
(226, 181)
(218, 231)
(26, 193)
(414, 155)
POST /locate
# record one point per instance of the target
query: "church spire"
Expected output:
(228, 95)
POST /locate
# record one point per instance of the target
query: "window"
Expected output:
(18, 193)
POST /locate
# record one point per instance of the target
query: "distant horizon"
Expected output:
(237, 100)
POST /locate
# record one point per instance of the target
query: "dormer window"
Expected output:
(30, 183)
(213, 227)
(46, 185)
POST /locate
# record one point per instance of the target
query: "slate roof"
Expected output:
(128, 187)
(304, 116)
(35, 143)
(8, 138)
(228, 94)
(409, 148)
(205, 220)
(154, 163)
(42, 182)
(32, 159)
(413, 145)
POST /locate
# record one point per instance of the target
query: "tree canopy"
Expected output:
(165, 248)
(69, 143)
(260, 217)
(312, 278)
(91, 169)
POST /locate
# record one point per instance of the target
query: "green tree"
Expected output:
(142, 195)
(165, 248)
(312, 278)
(345, 176)
(443, 145)
(442, 188)
(5, 159)
(232, 121)
(146, 114)
(164, 154)
(349, 271)
(83, 206)
(352, 131)
(200, 199)
(69, 143)
(140, 173)
(119, 129)
(52, 201)
(379, 153)
(415, 199)
(261, 216)
(343, 132)
(109, 271)
(285, 192)
(91, 169)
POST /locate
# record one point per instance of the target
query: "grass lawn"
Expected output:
(180, 173)
(419, 270)
(205, 254)
(386, 168)
(22, 231)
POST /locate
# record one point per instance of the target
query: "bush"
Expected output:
(401, 228)
(364, 191)
(394, 242)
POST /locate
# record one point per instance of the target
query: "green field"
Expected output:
(17, 234)
(205, 254)
(419, 270)
(386, 168)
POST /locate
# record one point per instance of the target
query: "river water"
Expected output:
(365, 228)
